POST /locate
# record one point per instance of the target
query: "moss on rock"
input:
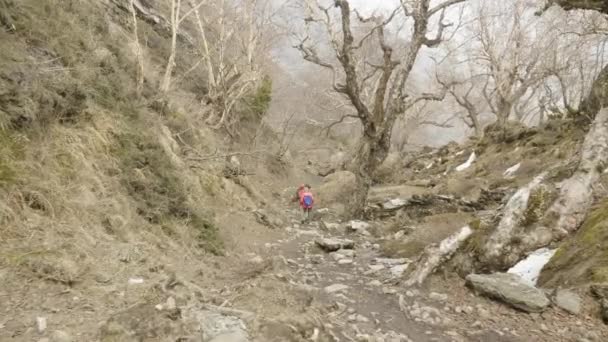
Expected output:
(583, 258)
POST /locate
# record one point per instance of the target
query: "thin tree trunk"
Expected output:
(597, 97)
(138, 51)
(175, 20)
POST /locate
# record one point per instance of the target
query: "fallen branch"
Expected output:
(575, 197)
(435, 255)
(217, 155)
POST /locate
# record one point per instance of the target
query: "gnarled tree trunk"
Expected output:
(372, 151)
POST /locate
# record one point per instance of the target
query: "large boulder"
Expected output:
(510, 289)
(336, 190)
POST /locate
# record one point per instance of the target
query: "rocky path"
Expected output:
(364, 299)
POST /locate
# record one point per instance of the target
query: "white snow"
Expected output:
(135, 281)
(510, 171)
(430, 165)
(459, 153)
(467, 164)
(529, 268)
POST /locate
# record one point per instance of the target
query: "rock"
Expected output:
(41, 324)
(391, 261)
(332, 226)
(333, 244)
(335, 288)
(345, 261)
(510, 289)
(257, 260)
(170, 305)
(375, 282)
(221, 327)
(316, 259)
(356, 225)
(569, 301)
(347, 253)
(362, 319)
(237, 336)
(440, 297)
(398, 270)
(61, 336)
(376, 268)
(604, 310)
(394, 204)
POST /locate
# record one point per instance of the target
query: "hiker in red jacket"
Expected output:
(306, 201)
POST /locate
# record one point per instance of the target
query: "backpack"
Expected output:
(307, 200)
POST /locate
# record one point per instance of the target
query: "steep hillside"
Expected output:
(100, 187)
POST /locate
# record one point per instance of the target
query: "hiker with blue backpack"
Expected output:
(306, 199)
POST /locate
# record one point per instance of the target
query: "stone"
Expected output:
(41, 324)
(604, 310)
(171, 305)
(61, 336)
(357, 225)
(257, 260)
(336, 288)
(333, 244)
(394, 204)
(347, 253)
(221, 327)
(375, 282)
(440, 297)
(398, 270)
(568, 301)
(345, 261)
(510, 289)
(391, 261)
(362, 319)
(236, 336)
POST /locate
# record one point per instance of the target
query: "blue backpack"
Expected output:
(307, 200)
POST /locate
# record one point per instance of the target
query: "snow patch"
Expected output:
(467, 164)
(510, 171)
(529, 268)
(430, 165)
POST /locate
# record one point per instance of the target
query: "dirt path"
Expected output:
(356, 295)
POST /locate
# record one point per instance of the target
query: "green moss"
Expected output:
(583, 258)
(475, 224)
(481, 231)
(538, 202)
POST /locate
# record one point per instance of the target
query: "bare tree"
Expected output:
(597, 97)
(138, 50)
(386, 79)
(509, 55)
(463, 93)
(233, 60)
